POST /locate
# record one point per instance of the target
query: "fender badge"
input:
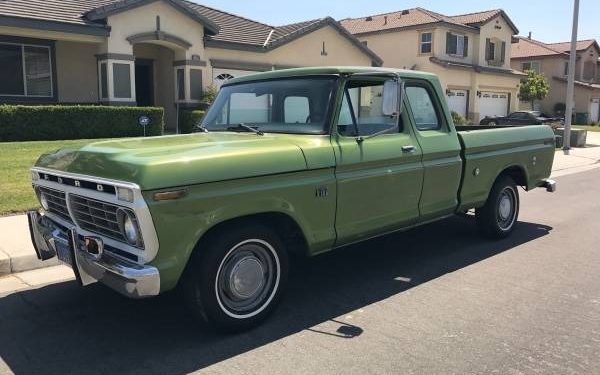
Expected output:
(77, 183)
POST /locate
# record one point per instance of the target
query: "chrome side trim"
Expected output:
(139, 206)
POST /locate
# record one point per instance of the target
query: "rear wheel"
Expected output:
(497, 218)
(236, 281)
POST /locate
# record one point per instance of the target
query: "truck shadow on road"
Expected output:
(62, 328)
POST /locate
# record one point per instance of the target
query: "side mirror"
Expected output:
(392, 97)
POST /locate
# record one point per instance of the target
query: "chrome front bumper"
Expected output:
(51, 239)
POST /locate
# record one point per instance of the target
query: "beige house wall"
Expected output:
(401, 50)
(76, 72)
(143, 20)
(499, 29)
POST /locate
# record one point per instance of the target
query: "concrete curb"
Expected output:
(16, 251)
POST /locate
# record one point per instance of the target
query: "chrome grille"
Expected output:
(57, 202)
(96, 216)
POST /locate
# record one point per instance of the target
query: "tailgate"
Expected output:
(487, 153)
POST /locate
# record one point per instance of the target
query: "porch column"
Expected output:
(116, 75)
(188, 82)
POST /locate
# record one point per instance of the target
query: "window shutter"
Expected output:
(448, 43)
(466, 48)
(487, 49)
(503, 52)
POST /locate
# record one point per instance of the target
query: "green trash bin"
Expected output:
(581, 118)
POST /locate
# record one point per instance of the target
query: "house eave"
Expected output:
(63, 27)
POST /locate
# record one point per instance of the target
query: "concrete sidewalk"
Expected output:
(17, 254)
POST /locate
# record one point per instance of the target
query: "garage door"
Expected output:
(595, 110)
(457, 101)
(493, 104)
(221, 76)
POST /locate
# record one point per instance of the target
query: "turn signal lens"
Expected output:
(35, 176)
(124, 194)
(44, 201)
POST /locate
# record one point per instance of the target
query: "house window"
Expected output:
(531, 65)
(25, 70)
(491, 51)
(566, 68)
(196, 84)
(495, 52)
(104, 80)
(457, 45)
(426, 43)
(122, 80)
(180, 84)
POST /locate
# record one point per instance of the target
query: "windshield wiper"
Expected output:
(242, 126)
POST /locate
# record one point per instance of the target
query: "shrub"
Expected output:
(45, 123)
(188, 120)
(458, 119)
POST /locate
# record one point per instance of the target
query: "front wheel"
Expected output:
(497, 218)
(237, 279)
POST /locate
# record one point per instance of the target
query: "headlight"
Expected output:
(129, 227)
(35, 176)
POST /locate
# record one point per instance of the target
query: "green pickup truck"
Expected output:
(290, 162)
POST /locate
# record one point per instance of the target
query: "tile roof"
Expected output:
(416, 17)
(477, 17)
(64, 11)
(566, 46)
(232, 28)
(526, 47)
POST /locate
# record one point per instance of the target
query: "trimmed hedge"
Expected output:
(49, 123)
(188, 120)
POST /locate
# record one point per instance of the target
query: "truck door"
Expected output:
(442, 164)
(379, 179)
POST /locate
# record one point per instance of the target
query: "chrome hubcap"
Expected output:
(247, 279)
(505, 207)
(507, 211)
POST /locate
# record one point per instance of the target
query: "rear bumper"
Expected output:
(549, 185)
(51, 239)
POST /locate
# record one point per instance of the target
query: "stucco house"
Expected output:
(150, 52)
(470, 53)
(552, 61)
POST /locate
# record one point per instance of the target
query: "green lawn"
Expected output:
(588, 128)
(16, 158)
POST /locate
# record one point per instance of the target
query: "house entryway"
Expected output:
(144, 82)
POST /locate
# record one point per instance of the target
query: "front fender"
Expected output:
(180, 224)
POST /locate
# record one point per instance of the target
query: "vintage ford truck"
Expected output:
(298, 161)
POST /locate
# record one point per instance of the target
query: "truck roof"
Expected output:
(328, 70)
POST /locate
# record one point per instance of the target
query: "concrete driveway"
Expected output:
(435, 300)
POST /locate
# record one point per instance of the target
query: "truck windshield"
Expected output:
(295, 106)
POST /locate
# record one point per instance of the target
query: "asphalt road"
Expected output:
(435, 300)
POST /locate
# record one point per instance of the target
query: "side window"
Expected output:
(364, 100)
(296, 110)
(423, 108)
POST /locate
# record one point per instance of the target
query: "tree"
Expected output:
(534, 87)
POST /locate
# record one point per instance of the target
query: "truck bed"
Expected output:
(528, 151)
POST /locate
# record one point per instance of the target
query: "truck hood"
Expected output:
(160, 162)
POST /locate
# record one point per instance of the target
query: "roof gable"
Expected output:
(582, 45)
(526, 47)
(105, 11)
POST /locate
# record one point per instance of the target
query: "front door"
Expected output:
(144, 82)
(378, 179)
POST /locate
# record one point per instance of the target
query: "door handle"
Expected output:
(409, 148)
